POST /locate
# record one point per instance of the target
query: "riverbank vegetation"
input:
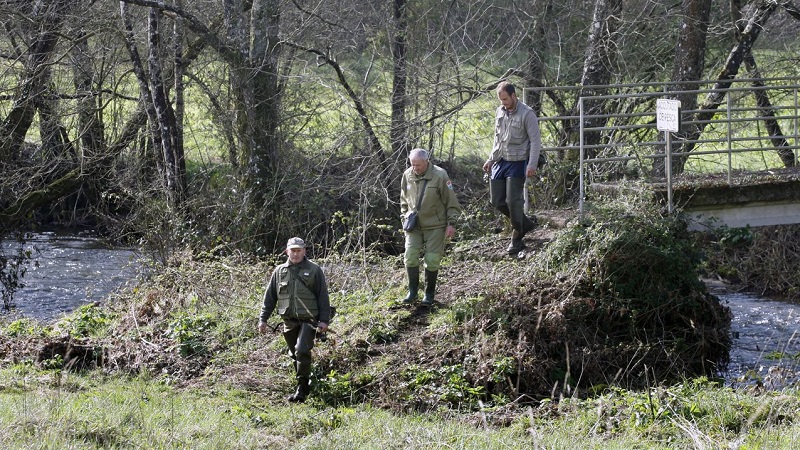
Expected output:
(567, 345)
(208, 133)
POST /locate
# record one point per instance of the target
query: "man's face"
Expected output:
(509, 101)
(296, 254)
(419, 166)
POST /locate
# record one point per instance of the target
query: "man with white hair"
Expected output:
(427, 193)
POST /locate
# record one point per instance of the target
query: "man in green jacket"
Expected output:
(300, 292)
(436, 211)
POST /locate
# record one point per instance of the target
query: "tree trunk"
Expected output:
(735, 59)
(91, 133)
(536, 47)
(145, 96)
(768, 113)
(165, 115)
(34, 82)
(179, 69)
(399, 128)
(598, 64)
(689, 64)
(261, 98)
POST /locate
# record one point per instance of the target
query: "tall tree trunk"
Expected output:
(768, 113)
(145, 96)
(598, 63)
(233, 17)
(261, 97)
(734, 61)
(179, 69)
(536, 47)
(54, 136)
(690, 55)
(91, 132)
(398, 133)
(34, 80)
(164, 112)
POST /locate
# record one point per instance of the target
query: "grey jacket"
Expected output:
(516, 136)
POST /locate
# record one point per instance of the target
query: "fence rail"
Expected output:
(629, 132)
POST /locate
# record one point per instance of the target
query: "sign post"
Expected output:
(668, 120)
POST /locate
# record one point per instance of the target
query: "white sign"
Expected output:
(668, 115)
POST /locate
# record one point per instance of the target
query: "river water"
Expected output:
(69, 270)
(72, 270)
(766, 341)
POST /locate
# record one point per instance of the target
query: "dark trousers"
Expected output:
(507, 195)
(300, 337)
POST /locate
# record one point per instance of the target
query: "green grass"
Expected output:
(50, 409)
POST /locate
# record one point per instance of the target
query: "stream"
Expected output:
(72, 270)
(68, 270)
(766, 341)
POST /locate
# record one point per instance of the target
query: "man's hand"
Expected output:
(450, 231)
(322, 327)
(262, 327)
(530, 172)
(487, 166)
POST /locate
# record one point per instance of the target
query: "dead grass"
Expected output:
(505, 332)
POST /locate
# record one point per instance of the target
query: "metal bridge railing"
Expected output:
(627, 130)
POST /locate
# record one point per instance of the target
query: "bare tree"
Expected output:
(601, 51)
(747, 36)
(689, 67)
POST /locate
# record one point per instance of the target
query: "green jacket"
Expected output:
(439, 207)
(299, 291)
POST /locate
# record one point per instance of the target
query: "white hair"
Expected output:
(418, 153)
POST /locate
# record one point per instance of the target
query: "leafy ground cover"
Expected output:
(599, 336)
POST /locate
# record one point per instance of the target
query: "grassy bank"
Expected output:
(600, 336)
(52, 409)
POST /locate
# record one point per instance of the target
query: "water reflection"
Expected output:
(68, 271)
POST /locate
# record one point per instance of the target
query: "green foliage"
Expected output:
(54, 363)
(341, 389)
(447, 384)
(628, 250)
(22, 328)
(503, 367)
(191, 333)
(89, 320)
(734, 237)
(382, 333)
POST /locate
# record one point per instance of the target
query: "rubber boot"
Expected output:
(521, 223)
(303, 388)
(517, 244)
(430, 287)
(413, 284)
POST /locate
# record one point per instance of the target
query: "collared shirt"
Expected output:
(516, 135)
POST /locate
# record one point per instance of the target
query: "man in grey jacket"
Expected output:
(514, 156)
